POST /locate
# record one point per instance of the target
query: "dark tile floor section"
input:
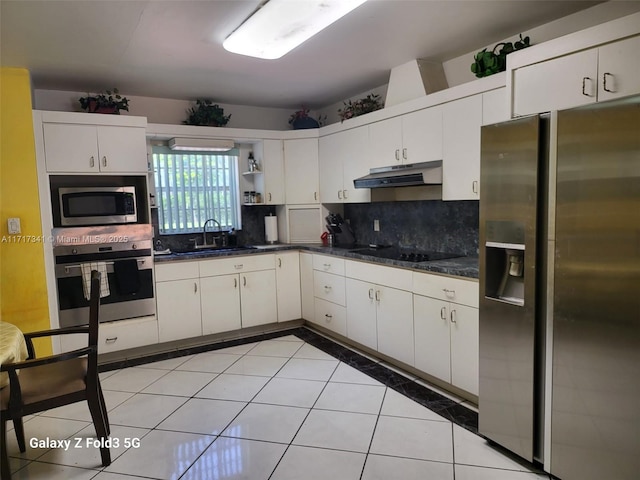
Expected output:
(440, 404)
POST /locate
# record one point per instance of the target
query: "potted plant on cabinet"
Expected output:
(370, 103)
(108, 102)
(300, 119)
(487, 63)
(207, 114)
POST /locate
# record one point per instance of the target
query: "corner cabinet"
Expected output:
(461, 125)
(301, 173)
(91, 143)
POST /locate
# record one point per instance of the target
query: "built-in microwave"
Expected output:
(97, 205)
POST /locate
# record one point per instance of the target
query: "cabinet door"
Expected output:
(556, 84)
(220, 303)
(395, 323)
(302, 184)
(495, 106)
(422, 135)
(273, 168)
(462, 120)
(385, 143)
(432, 347)
(258, 298)
(70, 148)
(619, 69)
(178, 303)
(463, 322)
(355, 164)
(330, 161)
(361, 313)
(122, 149)
(306, 286)
(288, 286)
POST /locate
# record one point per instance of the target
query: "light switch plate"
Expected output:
(13, 225)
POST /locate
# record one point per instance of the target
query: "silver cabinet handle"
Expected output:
(344, 194)
(474, 186)
(398, 154)
(244, 281)
(371, 293)
(195, 287)
(404, 153)
(328, 317)
(604, 82)
(377, 295)
(584, 86)
(110, 340)
(326, 266)
(269, 196)
(235, 283)
(104, 161)
(443, 313)
(92, 162)
(279, 263)
(238, 266)
(449, 293)
(315, 195)
(327, 288)
(453, 316)
(339, 194)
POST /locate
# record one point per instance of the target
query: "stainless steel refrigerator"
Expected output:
(560, 290)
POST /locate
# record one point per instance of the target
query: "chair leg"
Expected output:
(103, 407)
(19, 429)
(5, 469)
(95, 408)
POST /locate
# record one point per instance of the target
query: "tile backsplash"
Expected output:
(424, 225)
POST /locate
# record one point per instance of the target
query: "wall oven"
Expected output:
(97, 205)
(123, 252)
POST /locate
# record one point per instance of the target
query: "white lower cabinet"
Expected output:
(446, 333)
(119, 335)
(306, 286)
(327, 284)
(288, 286)
(331, 316)
(361, 313)
(220, 303)
(258, 298)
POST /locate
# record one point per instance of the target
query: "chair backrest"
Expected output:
(94, 316)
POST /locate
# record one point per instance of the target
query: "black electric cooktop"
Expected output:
(405, 255)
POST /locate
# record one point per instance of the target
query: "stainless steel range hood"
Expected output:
(409, 175)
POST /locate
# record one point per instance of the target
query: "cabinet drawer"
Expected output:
(325, 263)
(329, 287)
(331, 316)
(449, 289)
(236, 264)
(387, 276)
(176, 271)
(120, 335)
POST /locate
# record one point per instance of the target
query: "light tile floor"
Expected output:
(278, 409)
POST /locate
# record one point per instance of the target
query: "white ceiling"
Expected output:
(173, 48)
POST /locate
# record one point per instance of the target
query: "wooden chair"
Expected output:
(56, 380)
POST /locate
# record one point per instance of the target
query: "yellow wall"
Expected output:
(23, 287)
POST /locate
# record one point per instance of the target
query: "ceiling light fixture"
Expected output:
(201, 144)
(279, 26)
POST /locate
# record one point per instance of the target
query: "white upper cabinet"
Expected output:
(343, 158)
(411, 138)
(619, 69)
(78, 148)
(495, 106)
(273, 171)
(598, 74)
(557, 84)
(462, 120)
(302, 184)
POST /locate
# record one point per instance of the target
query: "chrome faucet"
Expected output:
(204, 232)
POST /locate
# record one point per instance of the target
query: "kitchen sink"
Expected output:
(212, 249)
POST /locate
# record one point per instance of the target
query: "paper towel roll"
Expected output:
(271, 229)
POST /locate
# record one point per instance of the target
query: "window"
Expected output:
(192, 187)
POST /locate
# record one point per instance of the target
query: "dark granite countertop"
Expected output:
(460, 266)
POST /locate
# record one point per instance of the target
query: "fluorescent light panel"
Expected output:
(201, 144)
(281, 25)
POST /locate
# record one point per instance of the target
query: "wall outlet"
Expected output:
(376, 225)
(13, 225)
